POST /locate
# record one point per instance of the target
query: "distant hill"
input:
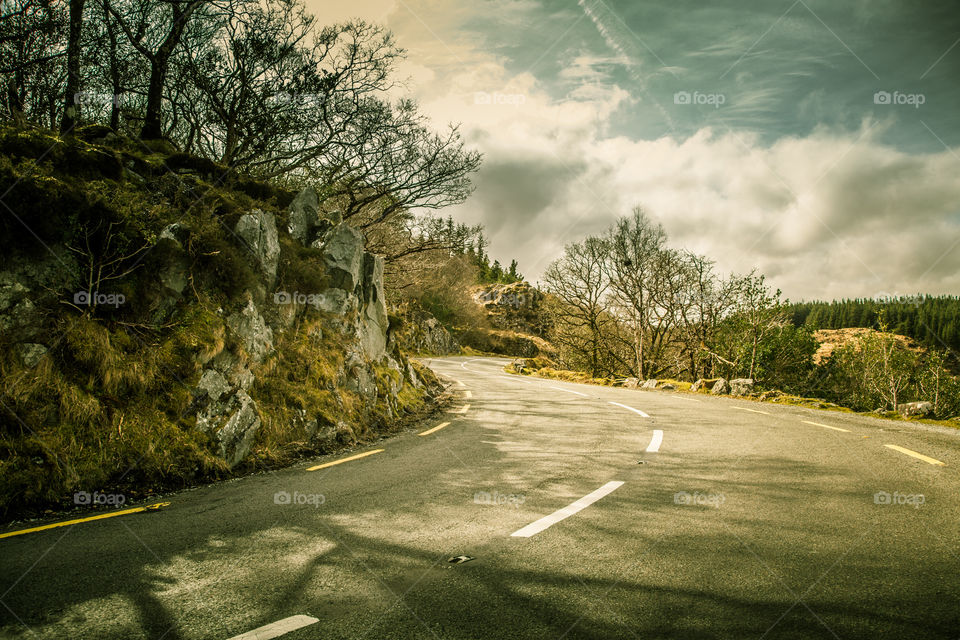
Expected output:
(933, 321)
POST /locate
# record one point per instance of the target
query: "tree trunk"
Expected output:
(152, 126)
(159, 64)
(114, 70)
(71, 106)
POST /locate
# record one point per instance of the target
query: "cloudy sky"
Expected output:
(818, 141)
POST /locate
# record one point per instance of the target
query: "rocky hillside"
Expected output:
(513, 307)
(419, 332)
(515, 315)
(167, 321)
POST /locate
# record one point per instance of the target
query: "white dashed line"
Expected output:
(513, 379)
(655, 441)
(569, 391)
(277, 629)
(750, 410)
(637, 411)
(555, 517)
(914, 454)
(825, 426)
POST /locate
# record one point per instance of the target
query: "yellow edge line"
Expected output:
(914, 454)
(825, 426)
(751, 410)
(436, 428)
(342, 460)
(89, 519)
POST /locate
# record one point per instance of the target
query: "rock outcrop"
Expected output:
(352, 308)
(703, 384)
(720, 387)
(915, 409)
(258, 231)
(741, 386)
(513, 307)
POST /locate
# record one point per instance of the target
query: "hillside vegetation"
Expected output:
(153, 339)
(625, 305)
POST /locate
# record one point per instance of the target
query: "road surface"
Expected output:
(577, 511)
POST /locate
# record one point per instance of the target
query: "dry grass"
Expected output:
(103, 410)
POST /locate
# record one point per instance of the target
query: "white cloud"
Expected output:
(834, 213)
(371, 10)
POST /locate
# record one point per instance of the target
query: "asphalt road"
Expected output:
(705, 518)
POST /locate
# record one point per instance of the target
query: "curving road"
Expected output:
(577, 512)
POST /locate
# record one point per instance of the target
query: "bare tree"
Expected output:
(710, 301)
(149, 21)
(32, 56)
(579, 282)
(635, 247)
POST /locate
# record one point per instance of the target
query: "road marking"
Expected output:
(112, 514)
(914, 454)
(462, 409)
(468, 394)
(751, 410)
(278, 628)
(825, 426)
(342, 460)
(679, 397)
(460, 383)
(569, 391)
(655, 441)
(514, 379)
(637, 411)
(436, 428)
(534, 528)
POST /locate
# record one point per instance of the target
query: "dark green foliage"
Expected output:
(462, 240)
(221, 264)
(785, 359)
(933, 321)
(300, 268)
(495, 273)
